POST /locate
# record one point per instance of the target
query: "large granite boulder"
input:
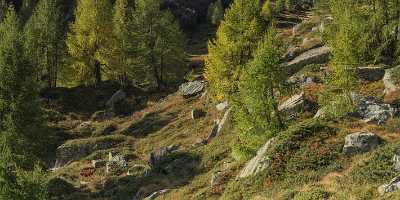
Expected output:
(259, 163)
(360, 142)
(390, 80)
(191, 89)
(392, 186)
(372, 110)
(308, 44)
(218, 126)
(314, 56)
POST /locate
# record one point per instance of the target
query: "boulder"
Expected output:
(191, 89)
(75, 150)
(138, 170)
(308, 44)
(259, 163)
(396, 160)
(157, 157)
(295, 104)
(314, 56)
(360, 142)
(372, 110)
(222, 106)
(374, 73)
(392, 186)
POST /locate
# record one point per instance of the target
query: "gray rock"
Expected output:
(360, 142)
(371, 73)
(222, 106)
(313, 56)
(159, 156)
(98, 163)
(191, 89)
(308, 44)
(259, 163)
(218, 126)
(295, 104)
(303, 80)
(396, 160)
(154, 195)
(115, 164)
(392, 186)
(371, 110)
(138, 170)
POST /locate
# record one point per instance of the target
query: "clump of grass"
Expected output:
(393, 125)
(314, 193)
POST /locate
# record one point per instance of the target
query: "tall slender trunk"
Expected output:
(97, 73)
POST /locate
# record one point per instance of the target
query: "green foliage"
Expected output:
(315, 193)
(256, 106)
(89, 34)
(235, 41)
(267, 10)
(393, 125)
(44, 41)
(216, 12)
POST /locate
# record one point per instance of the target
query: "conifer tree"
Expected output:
(89, 34)
(256, 115)
(161, 41)
(216, 12)
(232, 49)
(20, 122)
(44, 41)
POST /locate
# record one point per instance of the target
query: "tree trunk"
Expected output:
(97, 73)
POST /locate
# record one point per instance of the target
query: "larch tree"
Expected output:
(89, 34)
(216, 12)
(256, 113)
(44, 41)
(235, 41)
(161, 43)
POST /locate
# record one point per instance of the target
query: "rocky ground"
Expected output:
(130, 144)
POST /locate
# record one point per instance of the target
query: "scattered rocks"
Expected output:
(295, 104)
(197, 113)
(98, 163)
(222, 106)
(371, 110)
(159, 156)
(314, 56)
(392, 186)
(360, 142)
(115, 164)
(374, 73)
(191, 89)
(259, 163)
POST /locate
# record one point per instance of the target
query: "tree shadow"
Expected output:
(150, 123)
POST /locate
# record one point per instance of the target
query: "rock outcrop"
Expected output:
(371, 73)
(392, 186)
(313, 56)
(159, 156)
(295, 104)
(191, 89)
(259, 163)
(218, 125)
(390, 81)
(360, 142)
(75, 150)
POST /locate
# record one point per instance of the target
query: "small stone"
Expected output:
(392, 186)
(222, 106)
(197, 113)
(396, 160)
(191, 89)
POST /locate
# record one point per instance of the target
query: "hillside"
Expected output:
(281, 100)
